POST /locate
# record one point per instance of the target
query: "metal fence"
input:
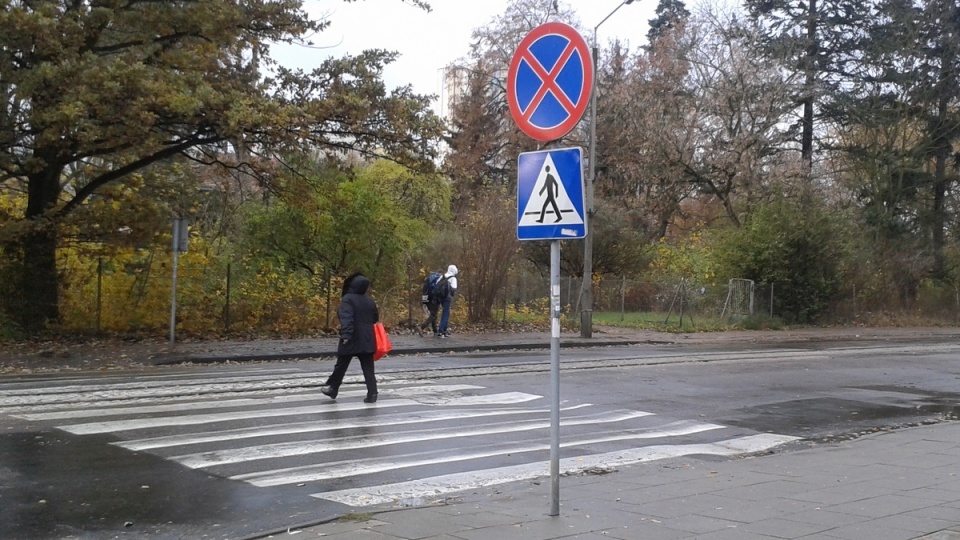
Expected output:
(242, 299)
(733, 300)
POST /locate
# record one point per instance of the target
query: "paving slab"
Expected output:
(841, 491)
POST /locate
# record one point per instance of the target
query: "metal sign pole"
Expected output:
(555, 378)
(558, 173)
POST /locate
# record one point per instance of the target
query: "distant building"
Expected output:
(456, 83)
(452, 88)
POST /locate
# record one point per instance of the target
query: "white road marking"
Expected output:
(324, 425)
(356, 467)
(53, 394)
(800, 354)
(508, 398)
(67, 395)
(428, 488)
(279, 450)
(209, 403)
(121, 399)
(237, 399)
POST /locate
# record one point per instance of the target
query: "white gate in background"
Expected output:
(739, 301)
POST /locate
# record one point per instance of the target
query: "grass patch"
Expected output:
(761, 322)
(697, 323)
(8, 330)
(660, 322)
(650, 321)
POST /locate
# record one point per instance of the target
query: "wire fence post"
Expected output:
(99, 291)
(771, 299)
(506, 291)
(327, 272)
(623, 298)
(854, 300)
(226, 306)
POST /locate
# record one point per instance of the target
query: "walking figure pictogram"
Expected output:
(551, 186)
(550, 181)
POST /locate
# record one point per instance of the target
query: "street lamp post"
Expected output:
(586, 290)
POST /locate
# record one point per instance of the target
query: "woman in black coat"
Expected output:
(357, 313)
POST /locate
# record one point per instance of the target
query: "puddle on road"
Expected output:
(816, 418)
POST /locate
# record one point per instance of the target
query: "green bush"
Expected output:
(795, 246)
(8, 330)
(760, 322)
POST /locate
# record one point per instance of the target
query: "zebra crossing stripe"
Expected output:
(113, 408)
(280, 450)
(357, 467)
(507, 398)
(153, 382)
(325, 425)
(452, 483)
(241, 398)
(209, 403)
(107, 392)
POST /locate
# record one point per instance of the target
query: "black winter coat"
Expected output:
(357, 313)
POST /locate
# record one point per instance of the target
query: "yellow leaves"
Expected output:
(12, 205)
(135, 294)
(692, 259)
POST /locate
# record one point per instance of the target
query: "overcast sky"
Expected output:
(429, 41)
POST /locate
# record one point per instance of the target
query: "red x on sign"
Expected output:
(549, 82)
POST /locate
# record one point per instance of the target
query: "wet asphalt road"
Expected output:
(70, 466)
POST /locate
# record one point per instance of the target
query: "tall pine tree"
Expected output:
(809, 38)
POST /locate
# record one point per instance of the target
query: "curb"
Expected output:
(528, 346)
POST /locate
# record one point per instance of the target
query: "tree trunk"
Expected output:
(946, 21)
(810, 69)
(938, 212)
(33, 254)
(35, 275)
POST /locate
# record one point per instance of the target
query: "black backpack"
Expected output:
(441, 290)
(428, 286)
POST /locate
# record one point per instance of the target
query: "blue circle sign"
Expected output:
(549, 82)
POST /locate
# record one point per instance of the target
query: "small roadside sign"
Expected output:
(550, 195)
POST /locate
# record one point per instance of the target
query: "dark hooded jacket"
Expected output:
(357, 313)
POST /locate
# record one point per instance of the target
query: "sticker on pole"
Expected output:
(549, 82)
(550, 195)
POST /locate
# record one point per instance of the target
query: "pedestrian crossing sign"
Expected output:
(550, 195)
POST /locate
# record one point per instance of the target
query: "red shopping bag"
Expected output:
(383, 341)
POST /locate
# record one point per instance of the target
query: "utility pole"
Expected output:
(586, 290)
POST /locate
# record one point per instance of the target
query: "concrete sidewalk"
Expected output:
(887, 486)
(296, 349)
(118, 354)
(203, 352)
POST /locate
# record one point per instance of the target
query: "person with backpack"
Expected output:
(446, 290)
(430, 301)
